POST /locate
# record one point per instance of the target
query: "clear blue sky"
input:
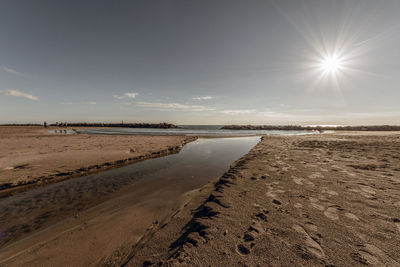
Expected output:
(200, 62)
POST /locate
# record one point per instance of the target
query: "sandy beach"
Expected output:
(312, 200)
(200, 133)
(322, 200)
(34, 155)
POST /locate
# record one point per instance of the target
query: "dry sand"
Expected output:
(321, 200)
(33, 155)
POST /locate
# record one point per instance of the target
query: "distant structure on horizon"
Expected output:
(162, 125)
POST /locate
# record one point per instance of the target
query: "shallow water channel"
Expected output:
(161, 180)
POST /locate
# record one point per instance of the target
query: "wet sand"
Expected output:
(32, 155)
(317, 200)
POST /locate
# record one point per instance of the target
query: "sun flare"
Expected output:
(331, 64)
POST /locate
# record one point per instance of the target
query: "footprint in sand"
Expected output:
(368, 190)
(331, 213)
(262, 214)
(316, 175)
(250, 235)
(332, 193)
(329, 192)
(276, 202)
(311, 246)
(256, 228)
(366, 195)
(353, 190)
(242, 249)
(272, 193)
(397, 223)
(371, 255)
(351, 216)
(311, 166)
(315, 205)
(285, 169)
(322, 198)
(256, 205)
(298, 181)
(309, 183)
(298, 205)
(350, 173)
(311, 227)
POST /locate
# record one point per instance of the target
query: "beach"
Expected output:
(305, 200)
(200, 133)
(35, 155)
(326, 200)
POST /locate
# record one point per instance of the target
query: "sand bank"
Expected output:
(32, 155)
(326, 200)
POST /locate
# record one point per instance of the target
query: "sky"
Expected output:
(200, 61)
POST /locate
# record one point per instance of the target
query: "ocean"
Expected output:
(199, 130)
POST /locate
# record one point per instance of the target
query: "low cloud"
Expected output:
(172, 106)
(17, 93)
(79, 103)
(238, 111)
(126, 95)
(9, 70)
(202, 98)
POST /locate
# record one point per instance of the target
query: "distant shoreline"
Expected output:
(315, 128)
(162, 125)
(223, 127)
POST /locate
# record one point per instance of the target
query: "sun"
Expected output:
(331, 64)
(330, 67)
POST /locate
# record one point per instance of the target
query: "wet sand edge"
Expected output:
(7, 189)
